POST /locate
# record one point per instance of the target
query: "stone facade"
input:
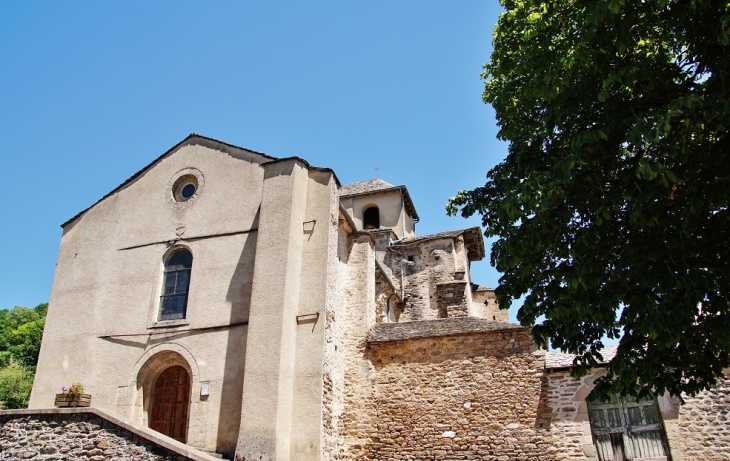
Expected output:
(473, 396)
(701, 427)
(699, 430)
(568, 416)
(315, 325)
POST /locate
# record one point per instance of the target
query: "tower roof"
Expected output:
(364, 187)
(376, 186)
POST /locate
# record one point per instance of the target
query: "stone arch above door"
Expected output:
(143, 377)
(162, 356)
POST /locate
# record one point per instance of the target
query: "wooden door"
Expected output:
(170, 403)
(624, 429)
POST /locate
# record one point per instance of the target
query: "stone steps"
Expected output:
(213, 454)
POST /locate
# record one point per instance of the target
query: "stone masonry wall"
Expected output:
(486, 307)
(425, 265)
(703, 426)
(568, 416)
(358, 415)
(333, 364)
(475, 396)
(451, 299)
(699, 430)
(81, 436)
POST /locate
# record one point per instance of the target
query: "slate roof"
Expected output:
(365, 187)
(561, 360)
(473, 240)
(385, 332)
(475, 287)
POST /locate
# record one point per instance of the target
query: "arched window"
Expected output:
(174, 299)
(371, 218)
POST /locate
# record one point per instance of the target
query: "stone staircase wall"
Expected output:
(85, 434)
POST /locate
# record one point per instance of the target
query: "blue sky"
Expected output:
(93, 91)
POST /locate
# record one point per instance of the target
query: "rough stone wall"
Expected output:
(74, 436)
(359, 414)
(703, 426)
(486, 307)
(425, 265)
(333, 373)
(384, 292)
(451, 299)
(567, 416)
(476, 396)
(697, 430)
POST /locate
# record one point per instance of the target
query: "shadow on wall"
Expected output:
(239, 295)
(544, 419)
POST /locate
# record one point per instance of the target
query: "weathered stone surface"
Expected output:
(420, 388)
(566, 414)
(82, 436)
(383, 332)
(703, 425)
(555, 360)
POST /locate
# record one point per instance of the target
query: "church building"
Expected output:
(255, 307)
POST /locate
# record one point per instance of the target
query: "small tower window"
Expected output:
(371, 218)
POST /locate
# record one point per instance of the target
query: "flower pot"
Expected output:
(73, 400)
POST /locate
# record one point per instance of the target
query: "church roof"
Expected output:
(258, 157)
(560, 360)
(365, 187)
(377, 186)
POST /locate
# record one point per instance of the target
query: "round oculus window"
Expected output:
(187, 191)
(185, 188)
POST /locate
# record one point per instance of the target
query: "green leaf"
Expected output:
(609, 210)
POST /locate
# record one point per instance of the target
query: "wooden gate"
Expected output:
(624, 429)
(170, 403)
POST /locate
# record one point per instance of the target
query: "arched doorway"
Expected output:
(170, 403)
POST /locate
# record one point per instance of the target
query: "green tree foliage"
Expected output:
(21, 330)
(15, 385)
(611, 208)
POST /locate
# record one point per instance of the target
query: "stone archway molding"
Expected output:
(157, 356)
(134, 399)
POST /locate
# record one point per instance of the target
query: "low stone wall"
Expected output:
(81, 434)
(470, 396)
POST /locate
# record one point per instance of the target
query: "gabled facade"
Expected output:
(256, 307)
